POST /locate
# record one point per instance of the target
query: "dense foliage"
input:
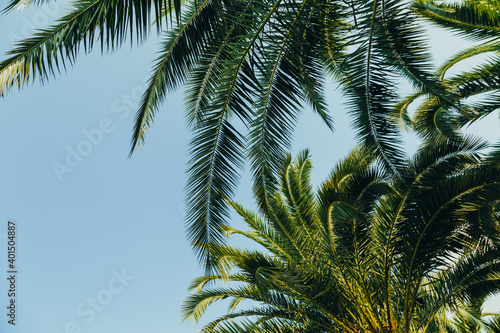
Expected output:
(388, 244)
(260, 62)
(369, 252)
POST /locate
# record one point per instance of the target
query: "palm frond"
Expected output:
(436, 117)
(23, 4)
(399, 114)
(180, 53)
(48, 50)
(369, 85)
(216, 157)
(475, 50)
(372, 253)
(469, 19)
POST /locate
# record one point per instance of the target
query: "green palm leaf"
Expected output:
(469, 19)
(50, 49)
(180, 53)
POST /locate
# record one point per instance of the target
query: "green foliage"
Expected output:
(370, 252)
(470, 95)
(259, 63)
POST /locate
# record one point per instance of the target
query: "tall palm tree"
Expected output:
(370, 252)
(255, 61)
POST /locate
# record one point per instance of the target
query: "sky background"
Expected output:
(108, 215)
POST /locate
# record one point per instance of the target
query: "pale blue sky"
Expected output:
(81, 227)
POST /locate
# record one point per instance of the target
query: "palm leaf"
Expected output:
(469, 19)
(22, 4)
(48, 50)
(475, 50)
(180, 53)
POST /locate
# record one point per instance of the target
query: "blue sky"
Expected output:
(101, 240)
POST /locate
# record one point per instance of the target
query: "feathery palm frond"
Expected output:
(439, 117)
(470, 19)
(48, 50)
(180, 53)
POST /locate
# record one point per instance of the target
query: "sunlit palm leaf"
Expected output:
(389, 254)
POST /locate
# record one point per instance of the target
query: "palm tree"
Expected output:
(255, 61)
(370, 252)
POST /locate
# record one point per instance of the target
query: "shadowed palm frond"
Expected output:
(180, 53)
(436, 117)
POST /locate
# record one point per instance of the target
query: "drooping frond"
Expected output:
(260, 70)
(370, 84)
(470, 19)
(180, 53)
(475, 50)
(216, 158)
(49, 50)
(437, 117)
(399, 115)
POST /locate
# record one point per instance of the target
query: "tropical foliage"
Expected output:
(473, 93)
(259, 62)
(370, 252)
(387, 244)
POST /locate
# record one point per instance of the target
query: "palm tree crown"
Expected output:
(369, 253)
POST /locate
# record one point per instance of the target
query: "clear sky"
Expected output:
(101, 240)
